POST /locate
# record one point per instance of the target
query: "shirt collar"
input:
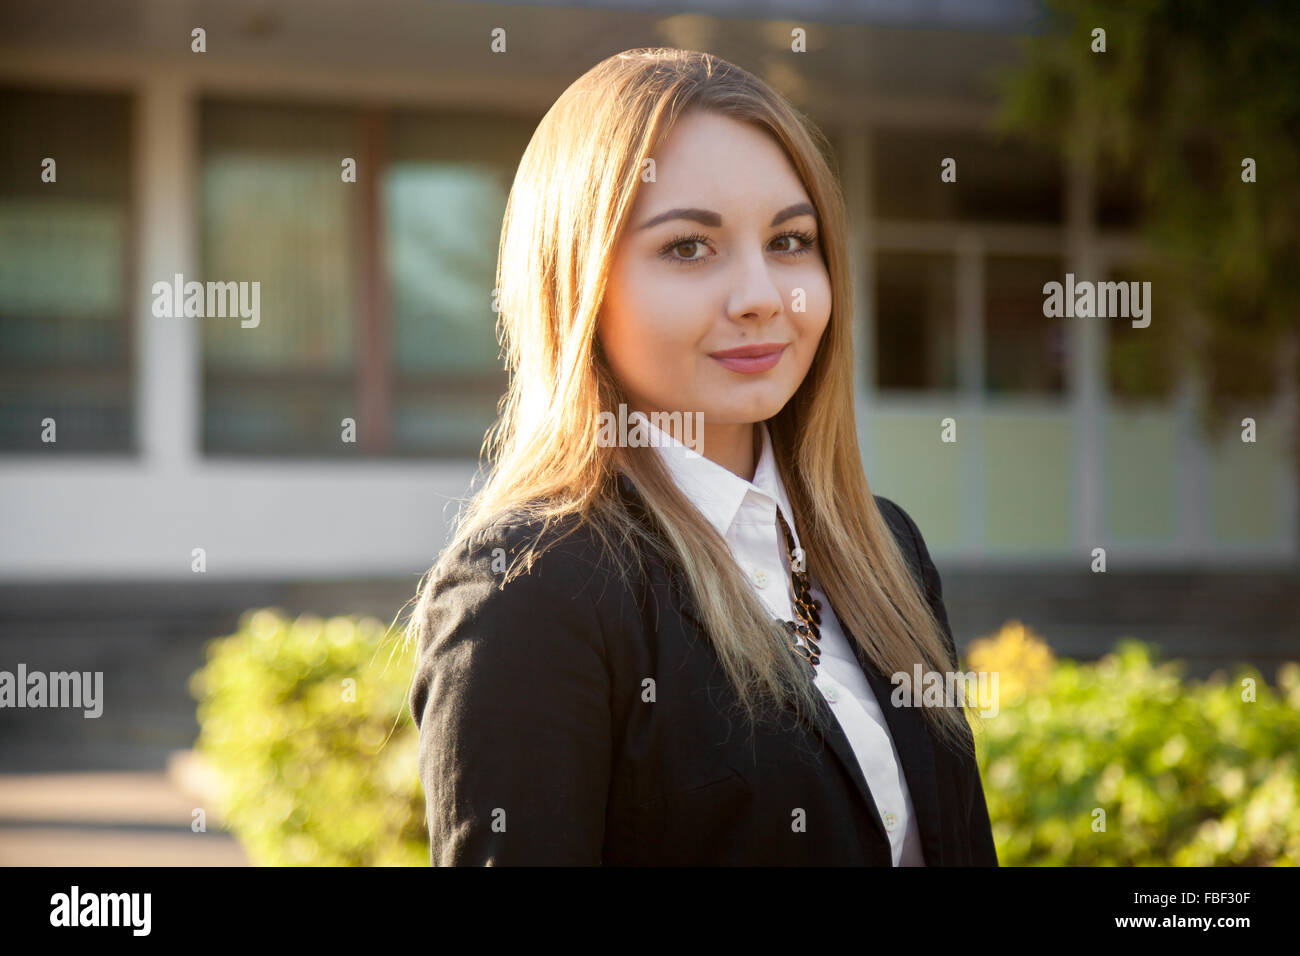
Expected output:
(720, 494)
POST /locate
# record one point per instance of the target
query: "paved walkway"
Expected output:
(132, 818)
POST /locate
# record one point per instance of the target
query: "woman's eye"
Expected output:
(680, 250)
(805, 240)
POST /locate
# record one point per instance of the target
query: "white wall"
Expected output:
(124, 520)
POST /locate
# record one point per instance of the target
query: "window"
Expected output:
(998, 180)
(276, 211)
(916, 337)
(1118, 200)
(65, 325)
(376, 296)
(1140, 362)
(1024, 350)
(444, 198)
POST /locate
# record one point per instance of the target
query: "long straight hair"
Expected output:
(570, 200)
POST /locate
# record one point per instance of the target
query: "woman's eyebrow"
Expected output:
(709, 218)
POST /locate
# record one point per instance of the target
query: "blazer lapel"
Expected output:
(916, 752)
(907, 726)
(828, 729)
(832, 734)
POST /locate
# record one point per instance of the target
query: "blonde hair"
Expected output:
(571, 197)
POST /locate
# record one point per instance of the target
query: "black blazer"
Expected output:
(537, 747)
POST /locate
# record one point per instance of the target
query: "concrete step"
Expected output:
(115, 818)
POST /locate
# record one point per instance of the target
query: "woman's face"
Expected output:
(721, 252)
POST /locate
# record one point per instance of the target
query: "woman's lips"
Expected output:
(749, 360)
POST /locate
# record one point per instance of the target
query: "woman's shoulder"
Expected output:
(909, 538)
(524, 559)
(510, 596)
(899, 521)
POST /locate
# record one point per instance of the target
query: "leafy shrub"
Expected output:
(1187, 774)
(306, 723)
(319, 771)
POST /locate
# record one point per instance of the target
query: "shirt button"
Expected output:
(831, 694)
(891, 821)
(760, 577)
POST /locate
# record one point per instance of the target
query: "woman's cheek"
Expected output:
(816, 320)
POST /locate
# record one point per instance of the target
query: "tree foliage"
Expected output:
(1185, 92)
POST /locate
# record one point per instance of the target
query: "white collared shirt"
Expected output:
(744, 514)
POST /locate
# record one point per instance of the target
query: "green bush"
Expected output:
(1188, 774)
(315, 770)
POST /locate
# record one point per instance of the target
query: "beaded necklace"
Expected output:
(806, 609)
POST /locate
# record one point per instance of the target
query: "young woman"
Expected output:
(659, 644)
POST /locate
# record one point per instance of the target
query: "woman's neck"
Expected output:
(734, 447)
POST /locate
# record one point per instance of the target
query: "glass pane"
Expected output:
(248, 415)
(277, 212)
(998, 180)
(1024, 350)
(909, 463)
(454, 422)
(1250, 483)
(444, 195)
(1141, 363)
(65, 334)
(1142, 474)
(1119, 203)
(444, 222)
(1029, 481)
(916, 321)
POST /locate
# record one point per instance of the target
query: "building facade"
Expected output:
(177, 433)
